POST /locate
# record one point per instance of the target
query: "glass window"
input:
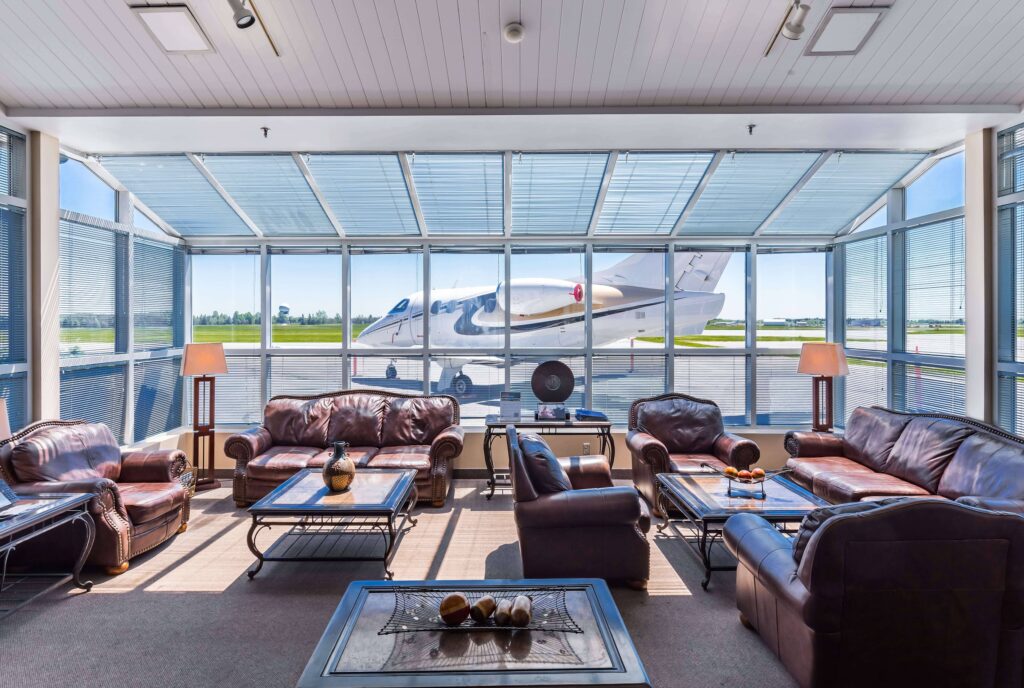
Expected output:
(1011, 160)
(381, 280)
(13, 285)
(476, 382)
(783, 395)
(722, 379)
(81, 191)
(394, 373)
(466, 299)
(95, 393)
(866, 295)
(225, 299)
(790, 299)
(521, 375)
(711, 299)
(620, 379)
(879, 218)
(629, 298)
(14, 388)
(306, 375)
(142, 221)
(158, 396)
(158, 291)
(935, 289)
(928, 389)
(940, 188)
(306, 299)
(547, 306)
(92, 298)
(460, 193)
(865, 385)
(1010, 388)
(12, 164)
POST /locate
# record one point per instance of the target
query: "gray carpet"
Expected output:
(185, 614)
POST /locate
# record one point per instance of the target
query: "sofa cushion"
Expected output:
(925, 448)
(146, 501)
(280, 463)
(66, 453)
(985, 465)
(360, 455)
(416, 420)
(297, 422)
(356, 419)
(683, 425)
(691, 463)
(871, 434)
(416, 457)
(806, 468)
(546, 473)
(855, 486)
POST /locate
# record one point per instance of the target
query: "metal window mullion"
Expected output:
(835, 317)
(129, 378)
(670, 318)
(896, 330)
(426, 319)
(588, 330)
(751, 332)
(266, 326)
(507, 305)
(346, 315)
(187, 292)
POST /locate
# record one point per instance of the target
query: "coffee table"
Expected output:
(705, 505)
(356, 525)
(364, 644)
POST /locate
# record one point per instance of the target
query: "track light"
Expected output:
(794, 28)
(243, 17)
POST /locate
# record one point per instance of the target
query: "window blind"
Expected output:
(92, 307)
(722, 379)
(1011, 160)
(923, 389)
(158, 396)
(555, 192)
(367, 193)
(12, 285)
(483, 395)
(12, 164)
(14, 389)
(1010, 389)
(239, 397)
(935, 286)
(865, 385)
(96, 394)
(306, 375)
(866, 295)
(783, 395)
(648, 191)
(158, 293)
(461, 193)
(399, 373)
(619, 379)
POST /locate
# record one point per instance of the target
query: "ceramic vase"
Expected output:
(339, 469)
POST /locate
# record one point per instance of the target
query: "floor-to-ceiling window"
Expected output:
(1010, 270)
(14, 387)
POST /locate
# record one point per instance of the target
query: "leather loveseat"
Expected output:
(887, 453)
(572, 521)
(141, 498)
(920, 592)
(676, 433)
(383, 430)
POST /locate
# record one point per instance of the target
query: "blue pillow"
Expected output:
(546, 474)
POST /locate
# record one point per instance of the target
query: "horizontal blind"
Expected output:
(13, 286)
(398, 373)
(866, 295)
(461, 193)
(12, 164)
(935, 288)
(485, 384)
(158, 396)
(158, 293)
(555, 192)
(619, 379)
(1011, 160)
(783, 395)
(306, 375)
(14, 389)
(1017, 318)
(521, 373)
(367, 193)
(1010, 291)
(865, 385)
(1010, 389)
(722, 379)
(928, 389)
(238, 393)
(648, 191)
(96, 394)
(89, 282)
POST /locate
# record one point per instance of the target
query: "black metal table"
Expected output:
(41, 514)
(358, 521)
(704, 504)
(495, 427)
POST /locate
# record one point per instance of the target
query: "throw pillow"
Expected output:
(814, 520)
(546, 474)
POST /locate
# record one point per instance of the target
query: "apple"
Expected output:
(743, 475)
(757, 474)
(730, 471)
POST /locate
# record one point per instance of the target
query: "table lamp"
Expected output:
(5, 424)
(202, 362)
(823, 360)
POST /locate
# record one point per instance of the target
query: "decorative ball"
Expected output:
(482, 610)
(503, 613)
(454, 608)
(522, 611)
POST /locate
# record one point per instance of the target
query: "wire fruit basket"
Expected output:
(754, 485)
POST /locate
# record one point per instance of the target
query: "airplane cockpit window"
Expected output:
(399, 307)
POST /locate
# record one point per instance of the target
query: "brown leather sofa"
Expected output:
(141, 498)
(383, 429)
(572, 521)
(676, 433)
(921, 592)
(886, 453)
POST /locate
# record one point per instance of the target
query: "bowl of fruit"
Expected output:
(739, 478)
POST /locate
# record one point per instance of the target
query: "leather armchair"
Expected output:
(918, 592)
(140, 498)
(676, 433)
(588, 528)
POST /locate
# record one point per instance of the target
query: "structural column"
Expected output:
(979, 274)
(44, 314)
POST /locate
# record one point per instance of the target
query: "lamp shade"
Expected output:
(5, 424)
(823, 358)
(204, 359)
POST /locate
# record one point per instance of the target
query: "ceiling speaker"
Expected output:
(553, 382)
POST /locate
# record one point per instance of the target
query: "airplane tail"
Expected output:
(694, 270)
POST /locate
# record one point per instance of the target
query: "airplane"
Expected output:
(628, 300)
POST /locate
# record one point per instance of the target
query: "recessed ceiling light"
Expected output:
(174, 27)
(845, 30)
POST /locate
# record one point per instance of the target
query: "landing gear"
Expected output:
(462, 385)
(391, 372)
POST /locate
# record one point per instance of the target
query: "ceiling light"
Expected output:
(242, 17)
(845, 30)
(174, 27)
(794, 28)
(513, 32)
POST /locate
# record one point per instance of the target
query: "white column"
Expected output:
(44, 315)
(979, 245)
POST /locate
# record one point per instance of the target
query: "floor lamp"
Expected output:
(823, 360)
(202, 362)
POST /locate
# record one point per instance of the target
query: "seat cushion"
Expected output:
(806, 469)
(416, 457)
(985, 465)
(416, 420)
(356, 419)
(297, 422)
(870, 435)
(146, 501)
(682, 425)
(855, 486)
(360, 455)
(691, 463)
(280, 463)
(545, 470)
(86, 451)
(925, 448)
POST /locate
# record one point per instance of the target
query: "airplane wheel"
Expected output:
(462, 385)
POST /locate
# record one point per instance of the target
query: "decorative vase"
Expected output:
(339, 469)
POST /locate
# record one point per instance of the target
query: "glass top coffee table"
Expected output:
(704, 502)
(362, 523)
(387, 635)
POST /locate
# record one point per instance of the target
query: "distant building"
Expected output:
(774, 322)
(283, 310)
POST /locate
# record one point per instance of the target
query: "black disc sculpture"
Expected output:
(553, 382)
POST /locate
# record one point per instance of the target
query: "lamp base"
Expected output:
(821, 393)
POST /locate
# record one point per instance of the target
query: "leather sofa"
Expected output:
(572, 521)
(383, 430)
(141, 498)
(676, 433)
(921, 592)
(886, 453)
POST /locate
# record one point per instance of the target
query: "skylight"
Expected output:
(367, 193)
(555, 193)
(460, 193)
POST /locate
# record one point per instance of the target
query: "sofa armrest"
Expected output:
(803, 443)
(768, 554)
(604, 506)
(588, 471)
(106, 495)
(245, 446)
(736, 451)
(648, 449)
(155, 466)
(1013, 506)
(448, 443)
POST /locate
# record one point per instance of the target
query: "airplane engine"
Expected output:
(531, 296)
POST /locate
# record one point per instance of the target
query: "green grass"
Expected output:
(228, 334)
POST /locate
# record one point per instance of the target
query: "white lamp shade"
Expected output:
(823, 358)
(5, 424)
(204, 359)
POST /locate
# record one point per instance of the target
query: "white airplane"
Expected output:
(628, 300)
